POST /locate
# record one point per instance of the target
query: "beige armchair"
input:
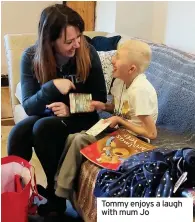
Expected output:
(14, 46)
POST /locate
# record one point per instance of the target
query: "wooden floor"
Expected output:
(6, 110)
(7, 122)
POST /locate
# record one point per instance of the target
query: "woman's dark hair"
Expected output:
(53, 21)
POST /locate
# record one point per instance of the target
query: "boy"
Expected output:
(135, 108)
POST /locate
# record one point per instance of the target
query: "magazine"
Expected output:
(80, 102)
(114, 149)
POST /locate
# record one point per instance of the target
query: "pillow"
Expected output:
(106, 61)
(102, 43)
(18, 93)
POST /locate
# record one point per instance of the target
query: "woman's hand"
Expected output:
(64, 85)
(97, 105)
(59, 109)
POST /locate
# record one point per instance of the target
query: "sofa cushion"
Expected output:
(122, 40)
(105, 44)
(102, 43)
(171, 139)
(106, 61)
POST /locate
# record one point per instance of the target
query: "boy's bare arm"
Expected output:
(148, 128)
(108, 107)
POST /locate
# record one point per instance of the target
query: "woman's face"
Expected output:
(67, 45)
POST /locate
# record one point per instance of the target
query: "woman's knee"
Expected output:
(20, 137)
(49, 128)
(23, 130)
(43, 126)
(38, 127)
(14, 139)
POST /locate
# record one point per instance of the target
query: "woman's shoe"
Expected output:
(42, 191)
(54, 206)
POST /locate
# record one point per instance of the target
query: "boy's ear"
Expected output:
(132, 69)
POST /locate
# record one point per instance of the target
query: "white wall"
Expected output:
(105, 16)
(19, 17)
(159, 21)
(180, 31)
(168, 22)
(172, 23)
(134, 18)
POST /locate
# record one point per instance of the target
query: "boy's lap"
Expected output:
(81, 138)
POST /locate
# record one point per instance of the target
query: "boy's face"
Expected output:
(121, 64)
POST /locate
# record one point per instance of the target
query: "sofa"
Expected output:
(172, 73)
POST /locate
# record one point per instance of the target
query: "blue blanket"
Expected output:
(172, 73)
(148, 174)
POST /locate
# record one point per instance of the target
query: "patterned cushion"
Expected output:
(106, 61)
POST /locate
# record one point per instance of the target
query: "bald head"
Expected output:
(138, 52)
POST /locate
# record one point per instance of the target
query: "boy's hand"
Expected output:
(115, 120)
(97, 105)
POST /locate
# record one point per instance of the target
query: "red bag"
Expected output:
(18, 189)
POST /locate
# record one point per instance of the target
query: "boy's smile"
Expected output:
(121, 64)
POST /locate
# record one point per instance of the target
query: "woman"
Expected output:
(60, 62)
